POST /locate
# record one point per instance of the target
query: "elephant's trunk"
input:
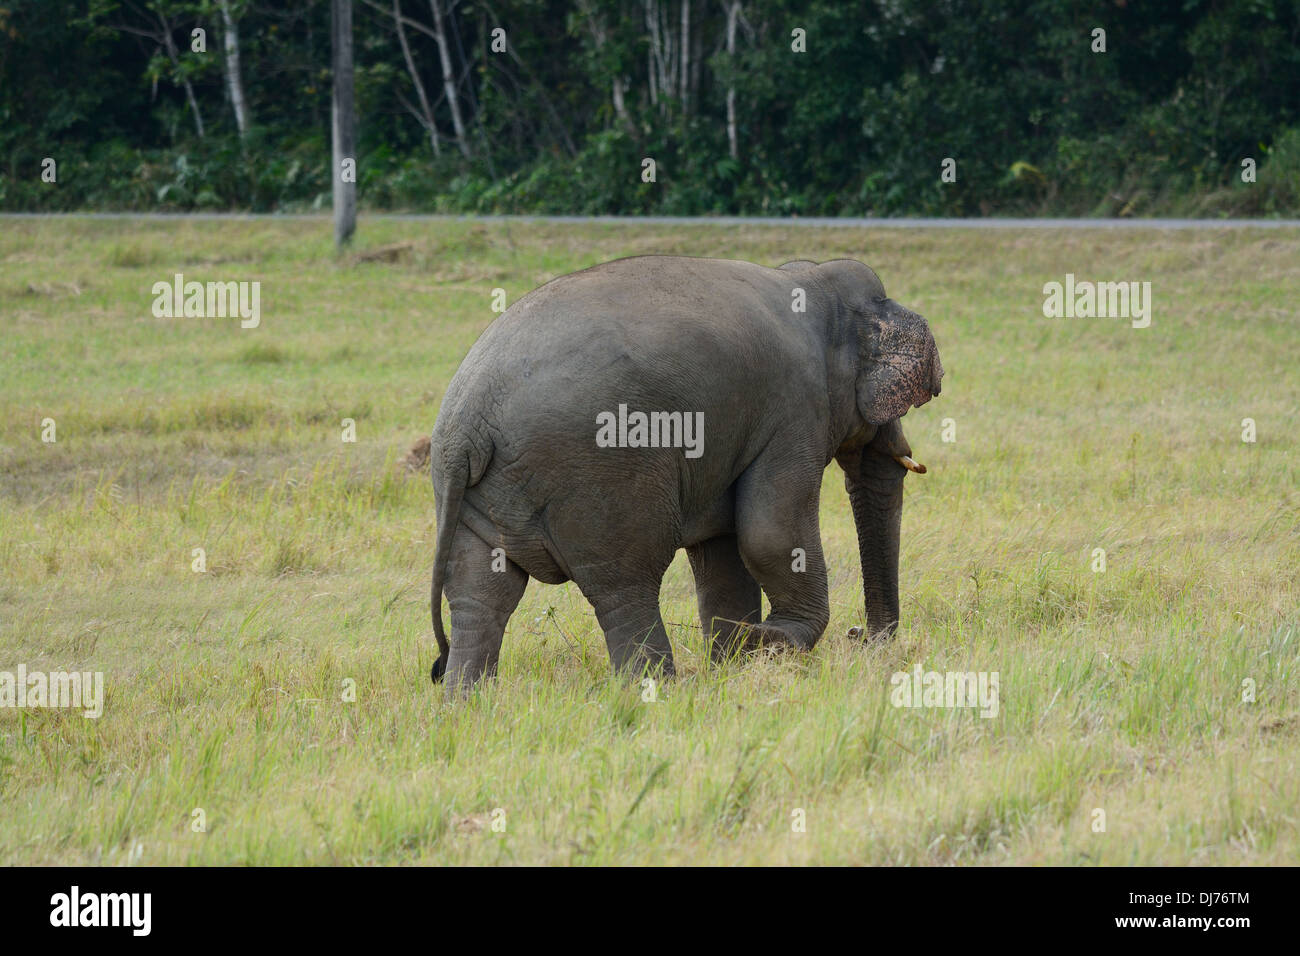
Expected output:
(875, 485)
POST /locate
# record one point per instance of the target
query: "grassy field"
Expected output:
(230, 691)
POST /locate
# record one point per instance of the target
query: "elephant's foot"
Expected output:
(866, 636)
(728, 637)
(638, 651)
(775, 637)
(870, 635)
(646, 661)
(634, 632)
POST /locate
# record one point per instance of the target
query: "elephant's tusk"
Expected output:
(909, 464)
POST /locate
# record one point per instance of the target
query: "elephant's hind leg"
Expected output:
(634, 632)
(483, 590)
(618, 562)
(727, 593)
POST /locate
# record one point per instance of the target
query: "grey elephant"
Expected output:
(617, 414)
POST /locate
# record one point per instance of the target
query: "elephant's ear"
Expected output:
(899, 363)
(797, 265)
(891, 384)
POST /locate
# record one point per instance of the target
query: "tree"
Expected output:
(155, 21)
(425, 114)
(234, 79)
(449, 76)
(345, 125)
(732, 8)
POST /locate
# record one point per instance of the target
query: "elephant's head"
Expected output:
(897, 367)
(897, 361)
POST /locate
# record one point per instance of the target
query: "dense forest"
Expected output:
(773, 107)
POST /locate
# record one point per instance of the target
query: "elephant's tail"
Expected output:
(457, 479)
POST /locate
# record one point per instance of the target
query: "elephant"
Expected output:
(615, 415)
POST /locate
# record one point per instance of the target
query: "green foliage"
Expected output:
(561, 121)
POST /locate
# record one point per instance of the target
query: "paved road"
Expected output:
(726, 220)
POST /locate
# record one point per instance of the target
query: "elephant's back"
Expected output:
(635, 311)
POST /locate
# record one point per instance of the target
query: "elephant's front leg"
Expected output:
(727, 593)
(780, 543)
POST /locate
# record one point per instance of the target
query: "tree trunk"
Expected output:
(653, 56)
(172, 55)
(234, 80)
(650, 72)
(344, 123)
(425, 109)
(697, 56)
(620, 107)
(733, 14)
(685, 47)
(663, 56)
(449, 77)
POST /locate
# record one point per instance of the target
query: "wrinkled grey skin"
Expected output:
(516, 465)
